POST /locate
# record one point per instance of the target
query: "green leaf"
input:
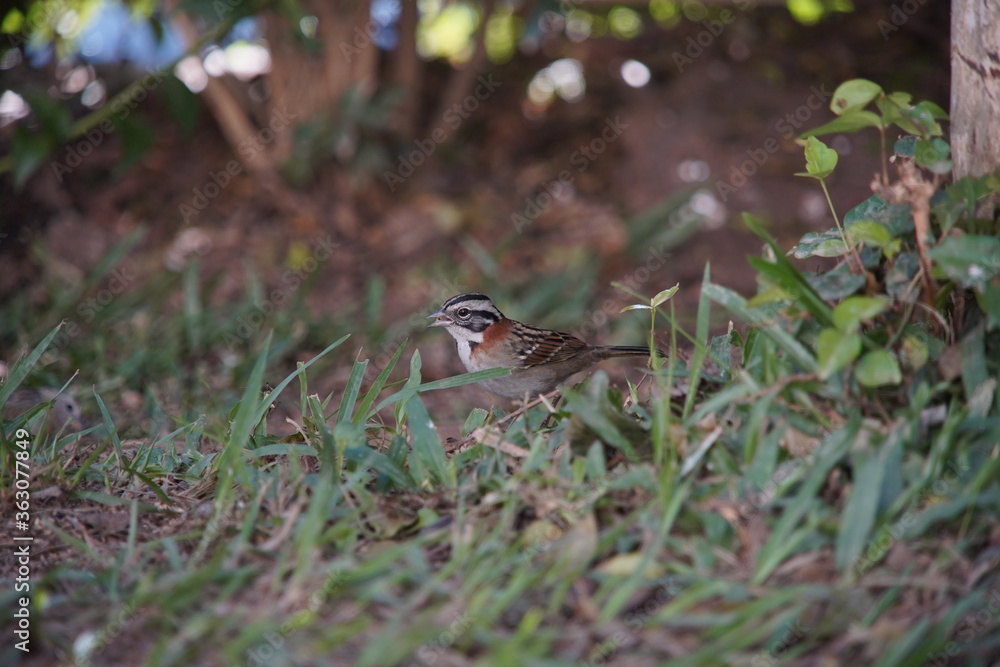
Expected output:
(427, 450)
(137, 137)
(933, 154)
(969, 260)
(914, 351)
(765, 322)
(900, 274)
(363, 412)
(820, 159)
(904, 146)
(805, 504)
(837, 283)
(869, 232)
(989, 301)
(851, 312)
(785, 274)
(351, 392)
(835, 350)
(28, 151)
(446, 383)
(476, 418)
(851, 121)
(664, 295)
(863, 505)
(820, 244)
(878, 367)
(20, 368)
(183, 105)
(896, 217)
(853, 94)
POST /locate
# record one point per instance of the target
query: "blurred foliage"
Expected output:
(445, 31)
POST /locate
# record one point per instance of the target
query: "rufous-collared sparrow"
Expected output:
(541, 359)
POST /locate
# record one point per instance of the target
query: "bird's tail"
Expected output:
(628, 351)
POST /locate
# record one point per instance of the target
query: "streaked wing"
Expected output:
(543, 346)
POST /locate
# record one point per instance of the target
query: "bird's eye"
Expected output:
(463, 312)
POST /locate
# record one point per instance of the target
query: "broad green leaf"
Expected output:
(904, 146)
(934, 110)
(835, 350)
(837, 283)
(664, 295)
(475, 419)
(820, 244)
(934, 155)
(896, 217)
(960, 200)
(878, 367)
(914, 351)
(921, 121)
(853, 94)
(970, 260)
(851, 121)
(869, 232)
(735, 303)
(820, 159)
(899, 275)
(851, 312)
(989, 301)
(427, 450)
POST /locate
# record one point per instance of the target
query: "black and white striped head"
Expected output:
(466, 316)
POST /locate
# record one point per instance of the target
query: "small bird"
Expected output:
(64, 411)
(541, 359)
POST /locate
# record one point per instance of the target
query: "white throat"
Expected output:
(467, 340)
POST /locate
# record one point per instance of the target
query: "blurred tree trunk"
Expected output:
(975, 86)
(308, 77)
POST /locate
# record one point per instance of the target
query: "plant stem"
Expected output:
(836, 220)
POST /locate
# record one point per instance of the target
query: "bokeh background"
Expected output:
(187, 176)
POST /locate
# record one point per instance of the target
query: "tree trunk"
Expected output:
(975, 86)
(309, 80)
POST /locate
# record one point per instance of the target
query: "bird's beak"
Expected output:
(441, 320)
